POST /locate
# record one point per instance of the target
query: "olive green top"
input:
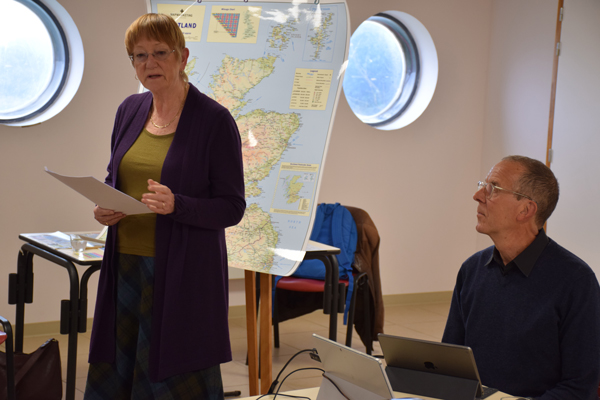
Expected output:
(143, 161)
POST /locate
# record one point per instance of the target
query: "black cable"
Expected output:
(276, 381)
(286, 395)
(336, 386)
(288, 375)
(297, 370)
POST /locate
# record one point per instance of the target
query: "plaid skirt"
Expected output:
(128, 378)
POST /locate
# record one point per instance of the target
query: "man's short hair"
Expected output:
(538, 182)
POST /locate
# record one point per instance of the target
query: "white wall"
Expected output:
(75, 141)
(518, 84)
(416, 182)
(576, 140)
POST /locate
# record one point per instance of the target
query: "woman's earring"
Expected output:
(136, 78)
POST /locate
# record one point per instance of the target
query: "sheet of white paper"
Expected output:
(316, 246)
(93, 240)
(102, 194)
(61, 235)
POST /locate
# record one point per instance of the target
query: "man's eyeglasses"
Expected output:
(160, 55)
(489, 190)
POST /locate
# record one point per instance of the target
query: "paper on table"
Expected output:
(93, 239)
(57, 240)
(102, 194)
(100, 238)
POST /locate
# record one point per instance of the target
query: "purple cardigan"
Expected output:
(203, 168)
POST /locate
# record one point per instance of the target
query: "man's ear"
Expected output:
(528, 211)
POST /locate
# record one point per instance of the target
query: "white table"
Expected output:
(312, 393)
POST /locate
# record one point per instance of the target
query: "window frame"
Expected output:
(419, 85)
(65, 81)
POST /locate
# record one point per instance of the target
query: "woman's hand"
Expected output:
(162, 201)
(107, 217)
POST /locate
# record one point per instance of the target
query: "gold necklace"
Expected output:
(176, 115)
(164, 126)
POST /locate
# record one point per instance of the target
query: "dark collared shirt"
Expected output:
(524, 261)
(535, 335)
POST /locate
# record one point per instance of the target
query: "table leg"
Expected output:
(251, 327)
(333, 267)
(266, 333)
(69, 308)
(72, 350)
(21, 292)
(70, 319)
(83, 297)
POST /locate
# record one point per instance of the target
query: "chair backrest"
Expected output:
(334, 226)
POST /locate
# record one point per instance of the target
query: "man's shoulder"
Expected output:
(564, 261)
(479, 258)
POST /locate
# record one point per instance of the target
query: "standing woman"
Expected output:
(160, 325)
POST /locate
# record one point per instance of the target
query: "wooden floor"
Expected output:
(423, 321)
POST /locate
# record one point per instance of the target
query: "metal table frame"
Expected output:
(73, 312)
(73, 315)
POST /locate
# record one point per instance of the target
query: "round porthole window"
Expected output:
(392, 70)
(41, 61)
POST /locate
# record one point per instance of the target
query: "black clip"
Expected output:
(314, 355)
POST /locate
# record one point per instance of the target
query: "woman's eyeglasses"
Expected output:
(160, 55)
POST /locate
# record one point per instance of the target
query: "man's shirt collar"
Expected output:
(528, 257)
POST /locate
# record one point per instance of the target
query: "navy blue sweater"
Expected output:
(532, 336)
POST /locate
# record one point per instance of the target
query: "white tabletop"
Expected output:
(312, 393)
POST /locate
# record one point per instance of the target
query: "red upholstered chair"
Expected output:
(295, 284)
(7, 337)
(297, 296)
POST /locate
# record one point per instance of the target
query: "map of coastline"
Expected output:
(265, 136)
(282, 34)
(320, 37)
(292, 188)
(281, 154)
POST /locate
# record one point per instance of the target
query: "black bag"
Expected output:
(37, 375)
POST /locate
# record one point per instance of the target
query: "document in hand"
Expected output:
(102, 194)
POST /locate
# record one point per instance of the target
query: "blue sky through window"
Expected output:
(376, 71)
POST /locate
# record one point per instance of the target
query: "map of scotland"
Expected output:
(277, 68)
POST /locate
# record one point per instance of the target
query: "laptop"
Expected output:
(350, 374)
(432, 368)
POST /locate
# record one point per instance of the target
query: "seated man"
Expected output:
(528, 308)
